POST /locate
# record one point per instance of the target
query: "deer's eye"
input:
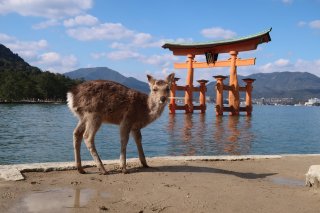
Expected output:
(168, 89)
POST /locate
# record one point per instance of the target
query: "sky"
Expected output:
(126, 35)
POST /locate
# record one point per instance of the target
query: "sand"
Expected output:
(263, 185)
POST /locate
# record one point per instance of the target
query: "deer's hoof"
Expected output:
(103, 172)
(125, 171)
(145, 166)
(81, 171)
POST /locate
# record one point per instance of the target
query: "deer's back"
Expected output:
(109, 99)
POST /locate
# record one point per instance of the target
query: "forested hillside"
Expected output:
(21, 82)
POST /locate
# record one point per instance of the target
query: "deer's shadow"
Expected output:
(200, 169)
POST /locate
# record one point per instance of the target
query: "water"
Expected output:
(57, 200)
(43, 133)
(287, 181)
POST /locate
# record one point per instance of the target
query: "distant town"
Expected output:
(263, 101)
(286, 101)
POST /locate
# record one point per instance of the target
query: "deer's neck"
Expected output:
(155, 108)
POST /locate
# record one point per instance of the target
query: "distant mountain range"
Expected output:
(297, 85)
(104, 73)
(19, 80)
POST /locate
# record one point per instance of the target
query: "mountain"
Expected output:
(297, 85)
(20, 81)
(10, 61)
(104, 73)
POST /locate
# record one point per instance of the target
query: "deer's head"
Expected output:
(160, 89)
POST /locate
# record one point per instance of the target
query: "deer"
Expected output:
(103, 101)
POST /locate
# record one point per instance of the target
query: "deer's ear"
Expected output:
(170, 78)
(151, 79)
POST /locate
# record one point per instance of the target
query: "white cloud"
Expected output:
(28, 50)
(302, 23)
(84, 20)
(49, 58)
(5, 38)
(46, 24)
(123, 54)
(48, 9)
(157, 60)
(97, 56)
(300, 65)
(55, 62)
(122, 37)
(282, 62)
(314, 24)
(137, 44)
(218, 33)
(32, 52)
(106, 31)
(141, 38)
(165, 60)
(287, 1)
(146, 41)
(69, 62)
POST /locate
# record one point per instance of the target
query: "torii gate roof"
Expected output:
(240, 44)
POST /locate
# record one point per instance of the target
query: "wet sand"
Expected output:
(263, 185)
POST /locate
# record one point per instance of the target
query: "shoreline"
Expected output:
(13, 172)
(228, 184)
(33, 102)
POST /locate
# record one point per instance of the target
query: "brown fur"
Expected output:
(97, 102)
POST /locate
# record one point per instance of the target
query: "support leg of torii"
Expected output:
(234, 99)
(219, 96)
(202, 96)
(189, 85)
(249, 82)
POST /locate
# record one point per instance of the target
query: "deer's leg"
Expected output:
(138, 138)
(124, 137)
(77, 138)
(92, 125)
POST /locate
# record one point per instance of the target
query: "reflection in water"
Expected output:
(233, 134)
(194, 134)
(57, 200)
(287, 181)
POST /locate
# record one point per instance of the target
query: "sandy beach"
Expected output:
(254, 185)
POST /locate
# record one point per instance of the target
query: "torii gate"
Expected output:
(211, 51)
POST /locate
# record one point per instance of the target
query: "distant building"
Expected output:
(313, 102)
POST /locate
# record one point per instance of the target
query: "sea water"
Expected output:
(31, 133)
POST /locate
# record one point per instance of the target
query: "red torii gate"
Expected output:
(211, 51)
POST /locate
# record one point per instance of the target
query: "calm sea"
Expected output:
(43, 133)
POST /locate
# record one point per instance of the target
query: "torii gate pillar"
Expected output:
(189, 85)
(234, 99)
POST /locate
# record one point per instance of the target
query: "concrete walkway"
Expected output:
(14, 172)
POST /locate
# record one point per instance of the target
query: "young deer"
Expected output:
(97, 102)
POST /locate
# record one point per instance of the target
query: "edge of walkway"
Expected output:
(14, 172)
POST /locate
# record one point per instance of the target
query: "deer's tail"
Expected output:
(70, 101)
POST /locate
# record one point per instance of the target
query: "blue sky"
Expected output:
(126, 35)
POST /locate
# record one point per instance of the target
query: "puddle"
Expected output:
(287, 181)
(57, 200)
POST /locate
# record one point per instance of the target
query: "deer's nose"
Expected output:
(163, 99)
